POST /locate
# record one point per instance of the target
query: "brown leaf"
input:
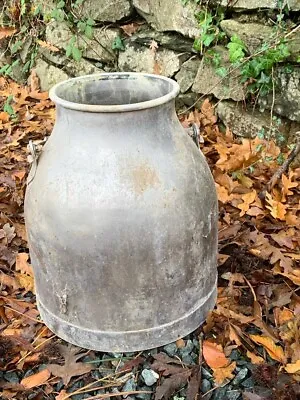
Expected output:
(162, 357)
(165, 369)
(130, 364)
(293, 368)
(284, 238)
(71, 367)
(248, 199)
(221, 374)
(130, 29)
(26, 282)
(47, 45)
(9, 232)
(254, 358)
(6, 31)
(37, 379)
(180, 343)
(193, 389)
(22, 264)
(153, 46)
(274, 351)
(171, 384)
(278, 210)
(214, 355)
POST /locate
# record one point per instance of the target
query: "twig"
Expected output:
(200, 361)
(285, 166)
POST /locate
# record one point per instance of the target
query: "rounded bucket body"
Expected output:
(121, 214)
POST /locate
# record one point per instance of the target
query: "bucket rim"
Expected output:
(98, 108)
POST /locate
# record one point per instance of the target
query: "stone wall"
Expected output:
(158, 37)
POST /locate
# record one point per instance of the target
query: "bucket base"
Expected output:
(130, 341)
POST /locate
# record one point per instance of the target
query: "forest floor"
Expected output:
(249, 347)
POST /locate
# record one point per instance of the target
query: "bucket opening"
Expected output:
(114, 92)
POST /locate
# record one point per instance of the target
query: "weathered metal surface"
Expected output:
(121, 217)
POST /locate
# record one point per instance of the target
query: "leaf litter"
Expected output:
(251, 346)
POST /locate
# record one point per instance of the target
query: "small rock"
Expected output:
(129, 386)
(233, 395)
(188, 359)
(144, 396)
(187, 349)
(241, 375)
(206, 374)
(235, 355)
(11, 377)
(150, 377)
(220, 393)
(205, 386)
(171, 349)
(248, 383)
(187, 74)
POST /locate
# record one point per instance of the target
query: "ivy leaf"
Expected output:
(76, 53)
(90, 22)
(60, 4)
(236, 49)
(118, 44)
(68, 50)
(208, 39)
(16, 47)
(88, 31)
(221, 71)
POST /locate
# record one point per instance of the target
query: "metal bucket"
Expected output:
(121, 214)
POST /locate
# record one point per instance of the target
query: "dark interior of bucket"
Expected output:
(114, 90)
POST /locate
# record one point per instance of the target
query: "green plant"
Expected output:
(7, 107)
(72, 50)
(257, 71)
(118, 44)
(210, 32)
(23, 17)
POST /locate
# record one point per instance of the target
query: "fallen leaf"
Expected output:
(284, 238)
(171, 384)
(278, 210)
(71, 367)
(130, 364)
(221, 374)
(130, 29)
(283, 316)
(36, 379)
(6, 32)
(180, 343)
(248, 199)
(293, 368)
(214, 355)
(274, 351)
(287, 184)
(26, 282)
(193, 388)
(254, 358)
(22, 264)
(153, 46)
(47, 45)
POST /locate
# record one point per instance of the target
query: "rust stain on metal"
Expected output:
(144, 177)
